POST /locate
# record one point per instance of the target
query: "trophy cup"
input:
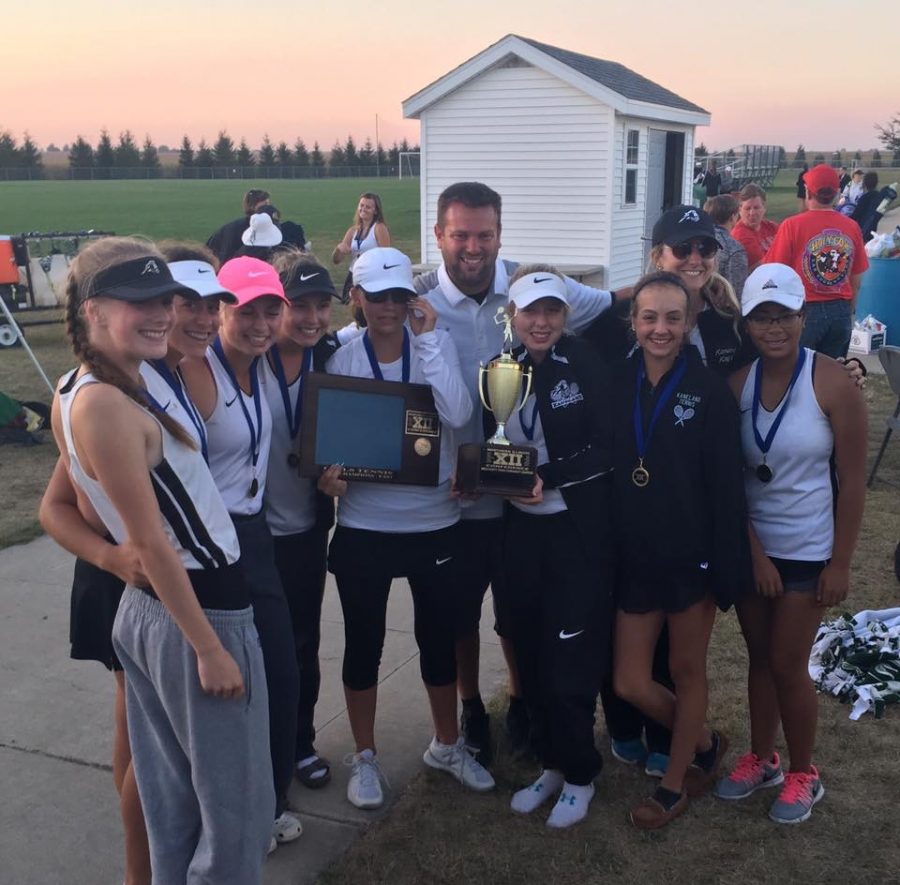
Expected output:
(498, 467)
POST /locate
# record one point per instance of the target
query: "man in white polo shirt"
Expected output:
(467, 291)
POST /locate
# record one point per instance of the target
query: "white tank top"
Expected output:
(290, 499)
(792, 513)
(228, 438)
(159, 389)
(192, 512)
(358, 246)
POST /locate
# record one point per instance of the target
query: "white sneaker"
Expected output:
(572, 806)
(526, 800)
(273, 844)
(458, 761)
(364, 789)
(286, 828)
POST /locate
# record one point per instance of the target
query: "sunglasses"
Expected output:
(397, 296)
(706, 249)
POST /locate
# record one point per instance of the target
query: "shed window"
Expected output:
(632, 143)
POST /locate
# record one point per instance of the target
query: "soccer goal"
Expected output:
(409, 164)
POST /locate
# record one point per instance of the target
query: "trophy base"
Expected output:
(487, 469)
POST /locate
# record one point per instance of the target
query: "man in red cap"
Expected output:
(826, 249)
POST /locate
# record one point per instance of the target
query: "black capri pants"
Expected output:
(364, 563)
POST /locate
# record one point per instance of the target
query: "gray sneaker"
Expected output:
(799, 794)
(456, 759)
(749, 775)
(364, 788)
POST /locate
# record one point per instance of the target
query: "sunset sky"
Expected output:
(769, 71)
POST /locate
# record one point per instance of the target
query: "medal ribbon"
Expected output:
(175, 381)
(373, 362)
(255, 430)
(528, 429)
(664, 397)
(293, 415)
(766, 444)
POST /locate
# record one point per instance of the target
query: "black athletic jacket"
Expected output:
(571, 386)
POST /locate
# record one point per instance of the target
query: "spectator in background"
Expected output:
(845, 178)
(732, 257)
(262, 235)
(712, 181)
(753, 231)
(368, 231)
(866, 212)
(801, 192)
(226, 241)
(727, 180)
(827, 250)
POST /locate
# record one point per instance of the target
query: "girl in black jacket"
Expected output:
(558, 591)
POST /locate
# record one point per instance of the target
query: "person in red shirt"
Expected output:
(753, 230)
(826, 249)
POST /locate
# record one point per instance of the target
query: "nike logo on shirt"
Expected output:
(230, 403)
(442, 561)
(564, 635)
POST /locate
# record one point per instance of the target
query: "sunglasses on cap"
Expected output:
(397, 296)
(706, 248)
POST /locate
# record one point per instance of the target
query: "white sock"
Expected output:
(545, 787)
(309, 760)
(572, 805)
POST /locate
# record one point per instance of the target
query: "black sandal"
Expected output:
(311, 775)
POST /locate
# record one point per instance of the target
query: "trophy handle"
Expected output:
(482, 371)
(528, 377)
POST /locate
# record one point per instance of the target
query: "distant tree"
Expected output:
(404, 146)
(729, 155)
(876, 159)
(394, 155)
(65, 149)
(301, 154)
(890, 133)
(781, 156)
(9, 151)
(316, 158)
(244, 156)
(186, 154)
(104, 155)
(367, 154)
(223, 150)
(284, 156)
(381, 159)
(266, 152)
(52, 148)
(127, 154)
(351, 157)
(837, 158)
(150, 157)
(30, 158)
(165, 149)
(337, 157)
(81, 156)
(857, 157)
(205, 156)
(896, 157)
(701, 150)
(817, 159)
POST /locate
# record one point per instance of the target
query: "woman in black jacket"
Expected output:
(557, 602)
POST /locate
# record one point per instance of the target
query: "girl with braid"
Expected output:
(196, 696)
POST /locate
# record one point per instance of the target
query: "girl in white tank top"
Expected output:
(368, 231)
(798, 412)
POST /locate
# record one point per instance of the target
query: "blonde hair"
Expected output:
(95, 258)
(524, 269)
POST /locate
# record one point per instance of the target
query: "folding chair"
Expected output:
(890, 359)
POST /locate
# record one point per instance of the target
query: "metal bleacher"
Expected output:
(758, 163)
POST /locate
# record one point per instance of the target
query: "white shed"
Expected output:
(585, 153)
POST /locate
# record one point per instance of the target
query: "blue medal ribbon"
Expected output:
(640, 439)
(294, 414)
(176, 382)
(255, 430)
(528, 429)
(766, 444)
(373, 362)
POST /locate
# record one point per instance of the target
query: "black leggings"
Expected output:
(273, 623)
(364, 563)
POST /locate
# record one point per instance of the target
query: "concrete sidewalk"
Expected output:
(59, 818)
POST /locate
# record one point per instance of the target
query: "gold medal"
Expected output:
(422, 447)
(640, 476)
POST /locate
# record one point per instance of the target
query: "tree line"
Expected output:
(222, 154)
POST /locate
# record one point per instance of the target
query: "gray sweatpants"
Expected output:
(201, 763)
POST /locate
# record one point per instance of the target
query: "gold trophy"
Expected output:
(497, 466)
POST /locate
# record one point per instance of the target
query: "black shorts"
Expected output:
(95, 601)
(798, 575)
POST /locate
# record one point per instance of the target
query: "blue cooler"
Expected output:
(879, 295)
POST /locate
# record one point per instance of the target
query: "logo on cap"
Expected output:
(150, 267)
(389, 266)
(537, 280)
(690, 215)
(770, 284)
(309, 276)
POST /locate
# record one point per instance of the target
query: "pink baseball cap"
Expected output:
(250, 278)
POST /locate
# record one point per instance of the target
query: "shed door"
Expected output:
(656, 177)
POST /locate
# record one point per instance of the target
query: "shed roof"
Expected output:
(609, 82)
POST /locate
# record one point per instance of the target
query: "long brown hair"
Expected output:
(96, 257)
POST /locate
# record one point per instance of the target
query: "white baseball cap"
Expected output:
(534, 286)
(776, 283)
(383, 268)
(201, 277)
